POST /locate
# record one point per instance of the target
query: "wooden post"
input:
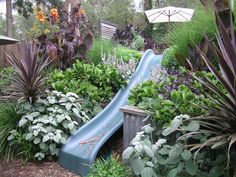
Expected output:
(133, 122)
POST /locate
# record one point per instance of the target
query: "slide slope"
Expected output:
(81, 149)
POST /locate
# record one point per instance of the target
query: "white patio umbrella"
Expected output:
(169, 14)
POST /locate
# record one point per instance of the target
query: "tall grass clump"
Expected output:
(8, 121)
(191, 33)
(99, 46)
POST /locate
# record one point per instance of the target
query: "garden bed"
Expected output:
(17, 168)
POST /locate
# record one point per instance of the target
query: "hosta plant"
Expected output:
(149, 157)
(48, 123)
(27, 80)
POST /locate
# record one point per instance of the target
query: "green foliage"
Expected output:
(119, 12)
(20, 147)
(100, 47)
(124, 60)
(192, 33)
(126, 69)
(5, 75)
(25, 7)
(98, 83)
(109, 168)
(127, 54)
(145, 90)
(6, 72)
(138, 42)
(150, 158)
(46, 125)
(163, 106)
(169, 60)
(105, 47)
(8, 121)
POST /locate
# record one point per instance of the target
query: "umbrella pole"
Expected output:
(169, 24)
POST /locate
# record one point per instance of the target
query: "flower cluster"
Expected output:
(81, 12)
(54, 14)
(40, 15)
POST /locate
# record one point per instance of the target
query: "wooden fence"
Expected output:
(14, 48)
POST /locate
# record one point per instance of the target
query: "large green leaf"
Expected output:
(149, 152)
(127, 152)
(137, 165)
(147, 172)
(191, 168)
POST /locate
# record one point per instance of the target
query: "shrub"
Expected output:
(169, 60)
(158, 74)
(100, 47)
(192, 33)
(126, 37)
(145, 90)
(63, 36)
(8, 121)
(170, 93)
(126, 54)
(5, 75)
(176, 94)
(151, 97)
(138, 42)
(47, 124)
(98, 83)
(150, 158)
(109, 168)
(126, 69)
(105, 47)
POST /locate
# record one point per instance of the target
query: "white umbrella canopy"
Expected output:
(169, 14)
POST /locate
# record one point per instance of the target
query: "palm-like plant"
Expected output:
(221, 121)
(28, 80)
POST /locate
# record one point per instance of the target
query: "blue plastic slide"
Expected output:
(81, 149)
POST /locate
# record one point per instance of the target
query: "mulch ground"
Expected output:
(17, 168)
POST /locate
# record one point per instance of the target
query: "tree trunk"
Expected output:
(147, 4)
(72, 3)
(9, 18)
(149, 27)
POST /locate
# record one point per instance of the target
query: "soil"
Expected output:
(17, 168)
